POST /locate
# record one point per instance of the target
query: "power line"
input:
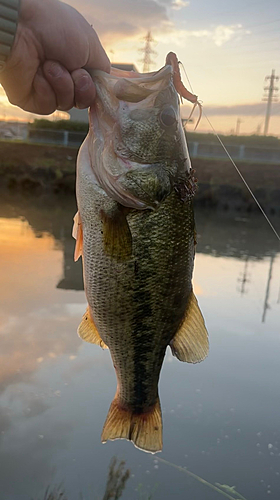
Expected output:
(263, 24)
(263, 32)
(245, 7)
(253, 42)
(236, 167)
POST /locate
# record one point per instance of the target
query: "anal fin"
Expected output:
(143, 429)
(87, 331)
(191, 341)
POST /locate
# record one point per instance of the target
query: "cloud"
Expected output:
(219, 35)
(253, 109)
(179, 4)
(126, 17)
(222, 34)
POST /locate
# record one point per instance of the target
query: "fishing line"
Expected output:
(246, 184)
(234, 164)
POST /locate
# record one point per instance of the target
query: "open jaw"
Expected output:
(118, 167)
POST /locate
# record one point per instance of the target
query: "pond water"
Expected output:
(221, 418)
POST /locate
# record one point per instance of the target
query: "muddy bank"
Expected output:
(36, 169)
(219, 185)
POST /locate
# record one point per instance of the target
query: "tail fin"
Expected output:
(143, 429)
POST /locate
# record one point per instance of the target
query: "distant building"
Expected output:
(125, 67)
(13, 130)
(81, 115)
(78, 115)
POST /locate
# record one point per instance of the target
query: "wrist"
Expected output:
(9, 13)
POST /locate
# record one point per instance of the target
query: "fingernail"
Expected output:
(80, 106)
(55, 70)
(83, 83)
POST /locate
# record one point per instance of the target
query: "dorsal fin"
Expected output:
(88, 332)
(191, 341)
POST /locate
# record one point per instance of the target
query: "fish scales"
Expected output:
(137, 305)
(135, 230)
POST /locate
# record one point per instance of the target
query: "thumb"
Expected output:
(97, 57)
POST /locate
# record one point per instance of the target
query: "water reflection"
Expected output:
(221, 418)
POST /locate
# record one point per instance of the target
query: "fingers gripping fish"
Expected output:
(135, 232)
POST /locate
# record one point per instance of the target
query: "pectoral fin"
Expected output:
(117, 238)
(191, 341)
(87, 331)
(77, 233)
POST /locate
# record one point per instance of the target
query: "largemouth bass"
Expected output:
(135, 231)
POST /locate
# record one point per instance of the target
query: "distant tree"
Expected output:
(43, 123)
(247, 140)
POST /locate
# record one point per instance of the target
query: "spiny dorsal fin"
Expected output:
(77, 233)
(143, 429)
(87, 331)
(191, 341)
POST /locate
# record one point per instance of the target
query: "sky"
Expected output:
(226, 47)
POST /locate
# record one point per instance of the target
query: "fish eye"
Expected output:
(168, 117)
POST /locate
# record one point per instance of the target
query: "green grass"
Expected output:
(115, 485)
(118, 477)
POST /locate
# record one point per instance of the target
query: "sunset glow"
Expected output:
(227, 50)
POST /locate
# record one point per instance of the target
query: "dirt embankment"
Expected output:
(35, 168)
(220, 185)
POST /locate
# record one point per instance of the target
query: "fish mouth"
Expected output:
(149, 78)
(133, 182)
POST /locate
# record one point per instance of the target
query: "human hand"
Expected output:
(45, 70)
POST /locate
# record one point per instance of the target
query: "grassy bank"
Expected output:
(36, 168)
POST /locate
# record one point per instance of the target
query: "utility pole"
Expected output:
(270, 98)
(147, 50)
(258, 131)
(238, 122)
(266, 304)
(245, 278)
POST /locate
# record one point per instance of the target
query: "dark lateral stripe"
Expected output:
(142, 336)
